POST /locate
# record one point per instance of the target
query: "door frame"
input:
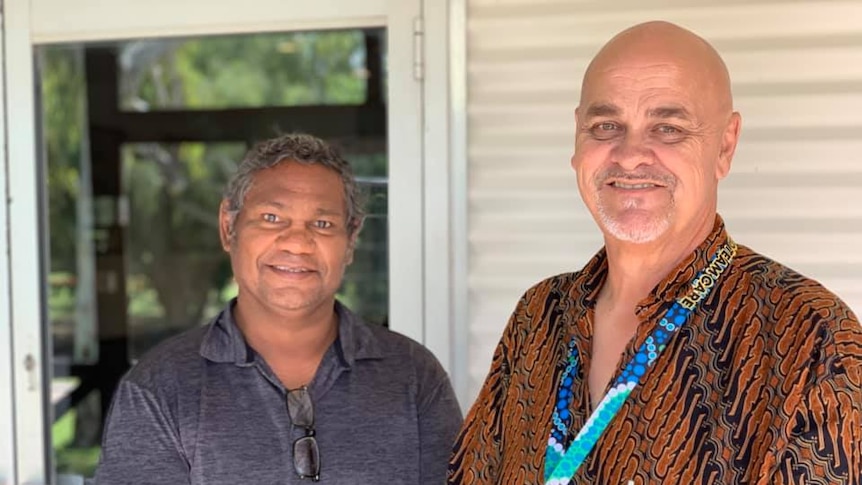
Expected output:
(420, 173)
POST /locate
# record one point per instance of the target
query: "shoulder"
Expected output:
(175, 359)
(560, 284)
(799, 306)
(400, 349)
(395, 360)
(547, 300)
(787, 291)
(553, 290)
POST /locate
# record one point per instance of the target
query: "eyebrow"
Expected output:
(269, 203)
(662, 112)
(279, 205)
(602, 109)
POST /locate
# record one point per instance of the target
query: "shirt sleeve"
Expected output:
(439, 420)
(140, 444)
(477, 455)
(822, 442)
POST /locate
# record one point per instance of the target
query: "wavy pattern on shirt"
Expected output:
(763, 386)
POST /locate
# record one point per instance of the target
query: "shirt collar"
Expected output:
(671, 287)
(678, 282)
(224, 342)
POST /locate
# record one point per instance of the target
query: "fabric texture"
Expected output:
(762, 386)
(204, 408)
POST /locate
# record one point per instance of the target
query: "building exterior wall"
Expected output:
(795, 189)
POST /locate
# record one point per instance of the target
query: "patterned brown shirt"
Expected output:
(763, 385)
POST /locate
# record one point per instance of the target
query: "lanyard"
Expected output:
(561, 464)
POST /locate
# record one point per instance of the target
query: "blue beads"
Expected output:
(562, 416)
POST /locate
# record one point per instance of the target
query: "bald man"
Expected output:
(675, 356)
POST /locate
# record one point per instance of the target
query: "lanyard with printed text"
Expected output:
(562, 463)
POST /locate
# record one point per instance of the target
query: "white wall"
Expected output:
(795, 191)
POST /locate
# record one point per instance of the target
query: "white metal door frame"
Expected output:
(28, 359)
(7, 419)
(420, 244)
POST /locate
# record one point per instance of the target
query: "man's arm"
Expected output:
(826, 443)
(822, 442)
(439, 420)
(140, 444)
(476, 456)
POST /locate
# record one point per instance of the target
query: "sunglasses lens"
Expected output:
(306, 457)
(299, 408)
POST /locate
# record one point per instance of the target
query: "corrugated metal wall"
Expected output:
(795, 190)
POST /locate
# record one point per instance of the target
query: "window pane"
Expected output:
(178, 275)
(366, 282)
(134, 184)
(71, 282)
(282, 69)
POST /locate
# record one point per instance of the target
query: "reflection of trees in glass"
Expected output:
(365, 288)
(63, 104)
(63, 100)
(176, 264)
(178, 275)
(62, 117)
(290, 69)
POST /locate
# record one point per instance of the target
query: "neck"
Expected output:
(635, 269)
(295, 336)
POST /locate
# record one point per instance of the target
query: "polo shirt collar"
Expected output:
(223, 342)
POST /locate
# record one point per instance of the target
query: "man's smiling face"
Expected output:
(290, 243)
(652, 143)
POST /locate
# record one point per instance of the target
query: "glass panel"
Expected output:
(71, 286)
(133, 195)
(365, 288)
(69, 204)
(289, 69)
(178, 274)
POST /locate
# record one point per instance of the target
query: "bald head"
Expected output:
(665, 43)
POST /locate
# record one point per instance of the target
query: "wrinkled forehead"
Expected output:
(678, 66)
(635, 79)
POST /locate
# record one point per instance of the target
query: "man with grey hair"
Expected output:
(676, 355)
(285, 384)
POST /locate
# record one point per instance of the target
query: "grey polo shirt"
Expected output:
(204, 408)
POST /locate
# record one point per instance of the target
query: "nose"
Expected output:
(296, 239)
(632, 151)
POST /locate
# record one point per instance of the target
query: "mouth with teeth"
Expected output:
(634, 186)
(292, 271)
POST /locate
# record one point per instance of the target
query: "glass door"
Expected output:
(140, 138)
(138, 126)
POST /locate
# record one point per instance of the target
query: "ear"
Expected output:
(573, 161)
(348, 259)
(351, 246)
(224, 223)
(351, 242)
(729, 140)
